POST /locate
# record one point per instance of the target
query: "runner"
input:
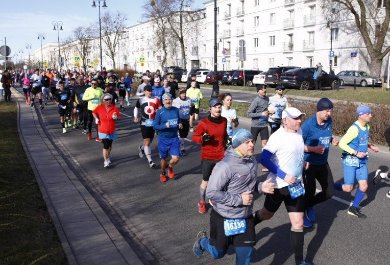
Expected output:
(355, 145)
(63, 99)
(195, 95)
(167, 124)
(283, 156)
(230, 190)
(36, 88)
(229, 113)
(140, 89)
(144, 113)
(93, 96)
(211, 134)
(183, 104)
(106, 115)
(121, 86)
(26, 84)
(277, 103)
(128, 81)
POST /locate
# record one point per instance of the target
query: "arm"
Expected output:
(351, 134)
(157, 125)
(265, 159)
(198, 133)
(87, 95)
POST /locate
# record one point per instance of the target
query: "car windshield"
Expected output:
(363, 74)
(272, 71)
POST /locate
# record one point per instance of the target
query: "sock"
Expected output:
(358, 198)
(202, 193)
(296, 241)
(148, 152)
(338, 185)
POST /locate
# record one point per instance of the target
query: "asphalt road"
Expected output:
(161, 220)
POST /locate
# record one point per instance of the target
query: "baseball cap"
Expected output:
(145, 77)
(107, 96)
(214, 101)
(241, 136)
(148, 88)
(156, 79)
(291, 113)
(363, 109)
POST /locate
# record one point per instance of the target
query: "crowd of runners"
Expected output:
(294, 153)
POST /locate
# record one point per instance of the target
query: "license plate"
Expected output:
(269, 75)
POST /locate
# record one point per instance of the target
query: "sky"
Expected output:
(22, 21)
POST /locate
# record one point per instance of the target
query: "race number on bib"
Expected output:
(149, 123)
(234, 226)
(296, 190)
(172, 122)
(351, 161)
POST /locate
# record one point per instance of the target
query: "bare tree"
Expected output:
(113, 27)
(83, 37)
(371, 18)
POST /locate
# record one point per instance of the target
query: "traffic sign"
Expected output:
(5, 50)
(331, 54)
(224, 60)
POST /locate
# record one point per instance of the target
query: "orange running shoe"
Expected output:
(171, 173)
(202, 209)
(163, 177)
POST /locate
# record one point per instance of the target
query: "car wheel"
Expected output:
(335, 84)
(363, 83)
(249, 83)
(341, 82)
(305, 85)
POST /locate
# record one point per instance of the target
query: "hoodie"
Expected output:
(232, 176)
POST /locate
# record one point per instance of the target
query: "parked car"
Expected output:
(184, 77)
(362, 78)
(227, 77)
(210, 77)
(240, 75)
(193, 71)
(259, 79)
(272, 77)
(302, 78)
(175, 70)
(201, 76)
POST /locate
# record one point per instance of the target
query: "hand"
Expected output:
(97, 120)
(290, 179)
(268, 186)
(247, 198)
(180, 126)
(374, 148)
(136, 120)
(114, 116)
(265, 113)
(319, 149)
(206, 138)
(361, 154)
(167, 124)
(335, 142)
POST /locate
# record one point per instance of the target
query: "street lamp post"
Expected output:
(215, 92)
(57, 25)
(100, 29)
(41, 37)
(330, 20)
(28, 48)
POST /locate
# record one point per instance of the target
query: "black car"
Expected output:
(227, 77)
(240, 75)
(175, 70)
(272, 76)
(302, 78)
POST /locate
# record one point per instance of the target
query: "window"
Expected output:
(335, 61)
(312, 12)
(381, 3)
(272, 18)
(272, 40)
(256, 42)
(257, 2)
(311, 38)
(256, 21)
(334, 34)
(289, 61)
(255, 63)
(271, 62)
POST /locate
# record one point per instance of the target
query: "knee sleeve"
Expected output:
(243, 255)
(213, 251)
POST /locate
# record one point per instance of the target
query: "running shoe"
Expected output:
(89, 136)
(106, 163)
(378, 176)
(163, 177)
(109, 161)
(388, 194)
(310, 214)
(63, 130)
(171, 173)
(192, 129)
(197, 248)
(141, 151)
(356, 212)
(183, 152)
(97, 139)
(202, 209)
(84, 132)
(306, 222)
(152, 164)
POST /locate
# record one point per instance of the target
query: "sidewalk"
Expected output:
(86, 233)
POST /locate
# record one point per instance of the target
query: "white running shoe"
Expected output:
(141, 152)
(106, 163)
(63, 130)
(109, 161)
(388, 194)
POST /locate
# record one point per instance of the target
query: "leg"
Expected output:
(325, 178)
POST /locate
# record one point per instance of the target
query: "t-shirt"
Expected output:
(229, 114)
(184, 106)
(148, 107)
(278, 104)
(195, 95)
(287, 149)
(93, 96)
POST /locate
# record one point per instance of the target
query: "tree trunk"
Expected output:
(375, 67)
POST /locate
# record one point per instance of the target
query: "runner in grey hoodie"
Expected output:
(230, 190)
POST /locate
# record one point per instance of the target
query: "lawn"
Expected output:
(27, 234)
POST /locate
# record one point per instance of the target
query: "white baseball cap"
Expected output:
(292, 113)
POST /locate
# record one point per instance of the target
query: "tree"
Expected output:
(83, 37)
(371, 18)
(113, 27)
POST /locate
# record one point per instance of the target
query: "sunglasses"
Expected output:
(107, 99)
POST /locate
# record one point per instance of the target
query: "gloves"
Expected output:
(206, 138)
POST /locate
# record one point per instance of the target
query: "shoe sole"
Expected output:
(388, 195)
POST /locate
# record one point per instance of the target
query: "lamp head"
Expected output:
(104, 4)
(93, 4)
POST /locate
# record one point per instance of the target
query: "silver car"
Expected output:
(361, 77)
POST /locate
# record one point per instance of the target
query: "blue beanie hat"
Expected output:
(324, 104)
(166, 95)
(241, 136)
(363, 109)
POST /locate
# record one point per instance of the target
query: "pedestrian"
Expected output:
(355, 145)
(277, 103)
(211, 134)
(195, 95)
(167, 123)
(317, 75)
(317, 132)
(106, 115)
(93, 96)
(229, 113)
(140, 89)
(184, 105)
(258, 112)
(63, 98)
(6, 80)
(144, 112)
(283, 156)
(231, 189)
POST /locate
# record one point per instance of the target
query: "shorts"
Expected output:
(273, 201)
(183, 133)
(168, 146)
(27, 91)
(147, 132)
(194, 110)
(36, 90)
(107, 143)
(218, 238)
(264, 132)
(207, 168)
(355, 173)
(62, 111)
(122, 93)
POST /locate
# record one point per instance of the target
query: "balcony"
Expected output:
(240, 32)
(288, 23)
(308, 46)
(289, 2)
(288, 46)
(309, 20)
(227, 15)
(194, 51)
(240, 12)
(227, 33)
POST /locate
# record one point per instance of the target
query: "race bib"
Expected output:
(351, 161)
(149, 123)
(95, 101)
(296, 190)
(172, 122)
(128, 89)
(234, 226)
